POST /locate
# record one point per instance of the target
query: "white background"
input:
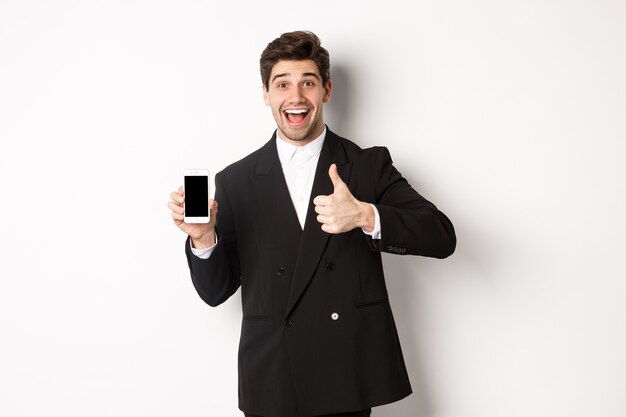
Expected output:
(509, 116)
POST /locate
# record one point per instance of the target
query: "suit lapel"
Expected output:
(314, 239)
(273, 195)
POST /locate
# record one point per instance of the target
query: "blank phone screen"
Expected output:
(196, 196)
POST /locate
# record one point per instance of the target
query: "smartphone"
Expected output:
(196, 187)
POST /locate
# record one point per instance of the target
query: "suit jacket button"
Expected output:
(390, 248)
(330, 266)
(403, 251)
(281, 271)
(334, 316)
(288, 323)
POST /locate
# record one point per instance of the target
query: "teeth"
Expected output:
(296, 111)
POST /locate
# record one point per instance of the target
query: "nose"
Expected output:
(296, 95)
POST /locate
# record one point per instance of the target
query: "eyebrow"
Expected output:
(286, 74)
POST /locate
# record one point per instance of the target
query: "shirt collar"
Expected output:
(286, 150)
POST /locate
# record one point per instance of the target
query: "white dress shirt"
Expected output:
(299, 163)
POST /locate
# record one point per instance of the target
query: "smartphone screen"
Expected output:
(196, 196)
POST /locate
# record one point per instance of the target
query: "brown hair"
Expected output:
(295, 46)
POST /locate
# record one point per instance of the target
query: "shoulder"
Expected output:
(246, 165)
(357, 154)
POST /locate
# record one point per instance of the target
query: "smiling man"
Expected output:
(300, 228)
(296, 92)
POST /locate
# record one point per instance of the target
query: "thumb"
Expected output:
(213, 209)
(334, 176)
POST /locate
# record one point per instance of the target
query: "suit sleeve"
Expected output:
(409, 223)
(218, 277)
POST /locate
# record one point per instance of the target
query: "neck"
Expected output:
(304, 141)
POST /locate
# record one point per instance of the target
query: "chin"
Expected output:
(297, 135)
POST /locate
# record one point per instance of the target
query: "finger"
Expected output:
(324, 210)
(175, 207)
(177, 198)
(213, 209)
(322, 200)
(334, 176)
(178, 218)
(323, 219)
(181, 191)
(330, 229)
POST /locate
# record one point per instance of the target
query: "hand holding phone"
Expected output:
(202, 234)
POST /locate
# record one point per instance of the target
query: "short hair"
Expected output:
(295, 46)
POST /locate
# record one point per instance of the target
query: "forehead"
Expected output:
(295, 68)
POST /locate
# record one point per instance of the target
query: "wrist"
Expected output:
(367, 218)
(204, 241)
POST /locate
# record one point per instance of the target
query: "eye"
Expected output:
(308, 84)
(281, 85)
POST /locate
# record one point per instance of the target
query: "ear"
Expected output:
(328, 88)
(266, 97)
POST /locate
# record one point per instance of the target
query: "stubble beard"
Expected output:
(299, 134)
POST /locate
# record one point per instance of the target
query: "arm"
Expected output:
(218, 277)
(409, 223)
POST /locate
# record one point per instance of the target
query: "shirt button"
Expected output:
(288, 323)
(280, 271)
(334, 316)
(330, 266)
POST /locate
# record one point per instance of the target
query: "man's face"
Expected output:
(296, 95)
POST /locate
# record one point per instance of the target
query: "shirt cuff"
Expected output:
(203, 253)
(376, 233)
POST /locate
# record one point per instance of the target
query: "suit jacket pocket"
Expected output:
(372, 303)
(372, 287)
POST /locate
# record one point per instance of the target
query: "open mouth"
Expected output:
(296, 117)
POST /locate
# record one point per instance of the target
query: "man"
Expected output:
(301, 225)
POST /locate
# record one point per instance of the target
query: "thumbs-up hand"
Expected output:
(340, 212)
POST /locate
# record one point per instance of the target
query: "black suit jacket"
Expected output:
(318, 334)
